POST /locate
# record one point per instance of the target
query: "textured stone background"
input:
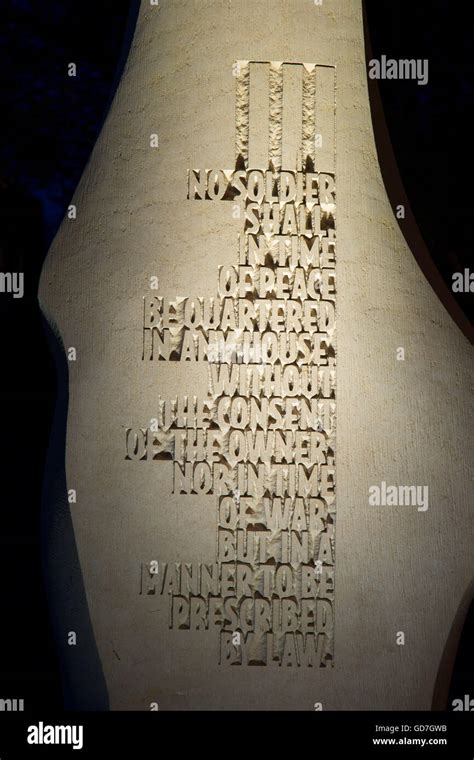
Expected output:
(402, 422)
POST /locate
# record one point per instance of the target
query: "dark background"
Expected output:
(48, 125)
